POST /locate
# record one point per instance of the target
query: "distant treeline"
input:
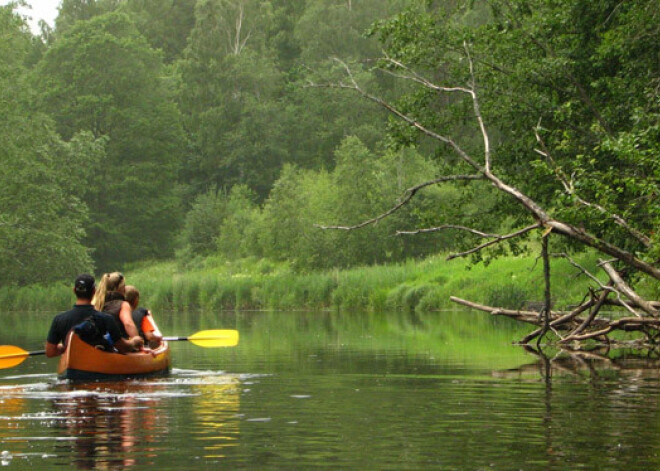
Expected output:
(134, 129)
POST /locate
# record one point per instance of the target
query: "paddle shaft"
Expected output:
(24, 354)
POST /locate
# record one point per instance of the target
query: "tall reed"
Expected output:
(412, 286)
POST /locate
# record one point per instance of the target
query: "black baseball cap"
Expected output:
(84, 286)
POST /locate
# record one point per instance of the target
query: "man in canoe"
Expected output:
(84, 289)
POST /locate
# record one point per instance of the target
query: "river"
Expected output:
(443, 390)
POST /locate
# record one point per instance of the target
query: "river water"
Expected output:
(444, 390)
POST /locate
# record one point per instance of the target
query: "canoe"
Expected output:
(82, 361)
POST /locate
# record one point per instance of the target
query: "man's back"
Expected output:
(65, 321)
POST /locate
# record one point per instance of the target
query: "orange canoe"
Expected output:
(81, 361)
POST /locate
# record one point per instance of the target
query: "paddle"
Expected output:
(11, 355)
(210, 338)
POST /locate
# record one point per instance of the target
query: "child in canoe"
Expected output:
(143, 318)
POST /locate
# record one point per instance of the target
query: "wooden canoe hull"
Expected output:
(81, 361)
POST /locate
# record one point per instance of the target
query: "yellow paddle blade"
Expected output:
(11, 356)
(215, 338)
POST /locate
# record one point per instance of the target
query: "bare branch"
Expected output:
(448, 226)
(404, 117)
(477, 110)
(408, 195)
(590, 318)
(624, 288)
(592, 335)
(573, 314)
(586, 272)
(415, 77)
(530, 317)
(536, 211)
(497, 240)
(607, 287)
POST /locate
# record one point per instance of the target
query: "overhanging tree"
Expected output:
(563, 101)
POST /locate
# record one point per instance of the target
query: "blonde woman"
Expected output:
(109, 298)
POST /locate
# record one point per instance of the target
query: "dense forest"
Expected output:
(152, 129)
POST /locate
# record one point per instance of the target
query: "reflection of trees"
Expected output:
(111, 425)
(586, 387)
(595, 364)
(217, 410)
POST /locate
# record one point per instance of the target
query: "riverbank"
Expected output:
(420, 286)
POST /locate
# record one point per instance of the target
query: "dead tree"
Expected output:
(584, 322)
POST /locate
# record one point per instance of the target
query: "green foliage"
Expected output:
(362, 185)
(510, 296)
(230, 89)
(133, 193)
(331, 28)
(166, 24)
(117, 162)
(584, 74)
(414, 286)
(221, 224)
(41, 212)
(202, 224)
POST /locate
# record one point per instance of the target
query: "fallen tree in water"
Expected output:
(577, 207)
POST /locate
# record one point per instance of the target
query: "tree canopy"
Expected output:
(223, 128)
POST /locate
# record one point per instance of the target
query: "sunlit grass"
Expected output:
(415, 286)
(412, 286)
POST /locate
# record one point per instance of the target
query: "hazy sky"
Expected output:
(41, 10)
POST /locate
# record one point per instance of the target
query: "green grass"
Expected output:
(415, 286)
(420, 286)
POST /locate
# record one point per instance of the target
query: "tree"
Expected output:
(230, 95)
(134, 195)
(41, 214)
(166, 24)
(361, 183)
(72, 11)
(569, 86)
(220, 223)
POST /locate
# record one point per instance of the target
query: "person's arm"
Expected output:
(54, 350)
(127, 319)
(121, 344)
(129, 345)
(54, 344)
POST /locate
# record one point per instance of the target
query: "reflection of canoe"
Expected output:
(81, 361)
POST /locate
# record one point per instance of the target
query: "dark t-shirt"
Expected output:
(112, 306)
(65, 321)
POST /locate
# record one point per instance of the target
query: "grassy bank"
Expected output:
(416, 285)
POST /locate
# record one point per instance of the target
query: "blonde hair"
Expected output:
(109, 282)
(132, 295)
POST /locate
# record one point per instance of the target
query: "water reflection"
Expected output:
(217, 411)
(358, 391)
(112, 425)
(595, 364)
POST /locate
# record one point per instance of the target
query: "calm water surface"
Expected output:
(338, 391)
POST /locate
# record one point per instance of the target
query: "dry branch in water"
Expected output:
(568, 326)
